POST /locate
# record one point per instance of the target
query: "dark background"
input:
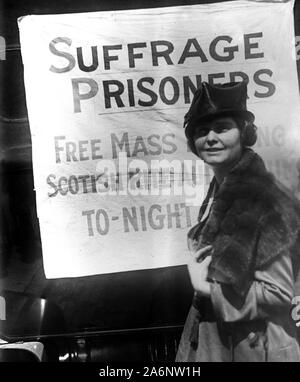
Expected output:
(139, 299)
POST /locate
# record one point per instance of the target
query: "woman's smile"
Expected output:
(214, 150)
(218, 142)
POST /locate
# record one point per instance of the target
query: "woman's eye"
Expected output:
(203, 132)
(222, 129)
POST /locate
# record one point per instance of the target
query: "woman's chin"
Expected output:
(214, 160)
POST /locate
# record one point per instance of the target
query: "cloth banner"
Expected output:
(117, 188)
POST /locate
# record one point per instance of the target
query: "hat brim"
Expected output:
(196, 123)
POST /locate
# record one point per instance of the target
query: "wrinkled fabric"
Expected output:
(253, 226)
(254, 328)
(251, 222)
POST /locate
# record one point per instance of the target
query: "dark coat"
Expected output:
(254, 226)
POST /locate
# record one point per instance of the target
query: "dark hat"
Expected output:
(211, 101)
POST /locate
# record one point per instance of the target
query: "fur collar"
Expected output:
(252, 221)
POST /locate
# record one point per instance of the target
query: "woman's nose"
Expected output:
(211, 136)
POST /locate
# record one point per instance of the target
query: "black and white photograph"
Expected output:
(149, 185)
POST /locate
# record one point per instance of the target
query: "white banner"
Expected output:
(117, 188)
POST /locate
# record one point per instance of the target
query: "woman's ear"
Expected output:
(248, 134)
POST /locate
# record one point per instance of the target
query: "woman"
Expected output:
(245, 244)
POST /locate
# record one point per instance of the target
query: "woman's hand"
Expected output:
(198, 271)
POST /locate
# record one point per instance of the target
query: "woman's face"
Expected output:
(218, 142)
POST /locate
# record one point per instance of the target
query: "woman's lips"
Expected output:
(213, 150)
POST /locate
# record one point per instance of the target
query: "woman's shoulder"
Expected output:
(262, 186)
